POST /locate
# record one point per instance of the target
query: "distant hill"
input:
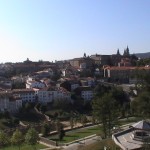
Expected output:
(143, 55)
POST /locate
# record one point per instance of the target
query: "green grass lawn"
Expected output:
(78, 134)
(129, 120)
(81, 133)
(24, 147)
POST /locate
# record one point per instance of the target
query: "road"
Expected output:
(82, 143)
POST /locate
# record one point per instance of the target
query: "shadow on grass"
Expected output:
(82, 132)
(54, 139)
(72, 136)
(94, 129)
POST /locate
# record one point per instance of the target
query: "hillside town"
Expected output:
(70, 88)
(45, 82)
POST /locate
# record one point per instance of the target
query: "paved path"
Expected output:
(82, 143)
(49, 147)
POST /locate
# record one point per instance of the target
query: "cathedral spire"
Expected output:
(118, 52)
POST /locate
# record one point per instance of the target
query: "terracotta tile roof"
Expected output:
(23, 91)
(48, 89)
(128, 68)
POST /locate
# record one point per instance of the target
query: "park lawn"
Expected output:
(129, 120)
(78, 134)
(99, 145)
(24, 147)
(81, 133)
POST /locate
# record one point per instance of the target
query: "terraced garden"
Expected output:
(78, 134)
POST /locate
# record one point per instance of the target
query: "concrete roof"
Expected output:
(142, 125)
(126, 140)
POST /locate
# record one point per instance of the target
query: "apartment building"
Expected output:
(9, 102)
(50, 94)
(32, 83)
(101, 59)
(82, 63)
(47, 95)
(85, 92)
(26, 95)
(123, 74)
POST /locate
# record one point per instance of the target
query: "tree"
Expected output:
(105, 111)
(93, 120)
(28, 107)
(45, 129)
(18, 85)
(32, 137)
(101, 89)
(141, 104)
(83, 120)
(61, 133)
(6, 114)
(134, 59)
(58, 125)
(4, 140)
(17, 138)
(43, 108)
(61, 104)
(71, 122)
(121, 97)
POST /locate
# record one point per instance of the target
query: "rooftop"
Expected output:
(129, 140)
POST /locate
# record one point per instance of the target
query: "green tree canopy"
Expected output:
(83, 120)
(105, 110)
(4, 140)
(61, 133)
(31, 137)
(17, 138)
(141, 104)
(45, 129)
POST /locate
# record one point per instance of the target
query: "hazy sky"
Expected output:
(63, 29)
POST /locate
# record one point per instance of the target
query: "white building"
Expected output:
(26, 95)
(30, 83)
(15, 102)
(9, 102)
(88, 81)
(85, 92)
(47, 95)
(74, 86)
(62, 93)
(87, 95)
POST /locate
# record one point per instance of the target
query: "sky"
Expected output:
(52, 30)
